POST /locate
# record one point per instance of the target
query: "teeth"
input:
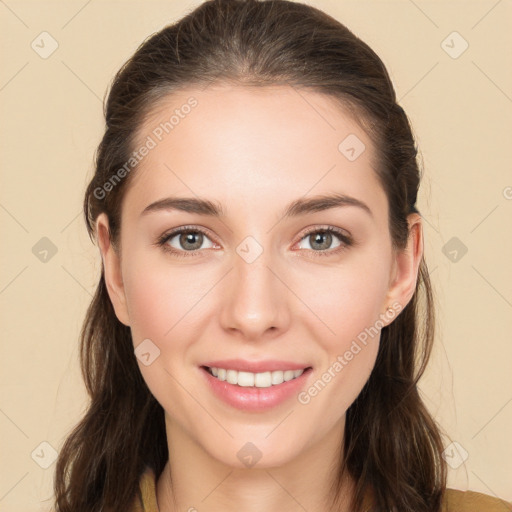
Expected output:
(259, 380)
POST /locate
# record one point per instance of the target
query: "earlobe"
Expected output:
(406, 265)
(112, 269)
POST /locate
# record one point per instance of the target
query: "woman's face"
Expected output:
(258, 282)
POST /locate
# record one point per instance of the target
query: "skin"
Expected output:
(255, 151)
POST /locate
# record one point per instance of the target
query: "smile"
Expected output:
(258, 380)
(255, 385)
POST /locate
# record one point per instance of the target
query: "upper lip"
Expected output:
(269, 365)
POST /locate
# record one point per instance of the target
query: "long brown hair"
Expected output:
(392, 444)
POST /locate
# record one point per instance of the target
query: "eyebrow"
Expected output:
(296, 208)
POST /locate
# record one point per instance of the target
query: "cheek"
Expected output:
(350, 328)
(347, 299)
(150, 306)
(161, 308)
(161, 299)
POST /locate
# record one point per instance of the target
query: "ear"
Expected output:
(112, 269)
(406, 264)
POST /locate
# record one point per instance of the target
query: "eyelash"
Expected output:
(346, 241)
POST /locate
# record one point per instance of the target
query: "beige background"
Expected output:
(52, 121)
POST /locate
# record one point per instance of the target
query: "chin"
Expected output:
(258, 452)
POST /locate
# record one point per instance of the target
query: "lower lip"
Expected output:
(253, 398)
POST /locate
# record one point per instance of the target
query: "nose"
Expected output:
(255, 299)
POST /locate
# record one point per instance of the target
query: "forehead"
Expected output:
(256, 143)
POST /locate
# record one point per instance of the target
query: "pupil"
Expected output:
(323, 234)
(189, 238)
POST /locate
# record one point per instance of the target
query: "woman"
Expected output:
(256, 337)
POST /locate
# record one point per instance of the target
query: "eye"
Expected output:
(320, 241)
(188, 241)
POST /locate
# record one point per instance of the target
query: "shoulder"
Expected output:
(146, 495)
(454, 500)
(471, 501)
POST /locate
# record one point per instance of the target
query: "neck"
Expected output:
(193, 480)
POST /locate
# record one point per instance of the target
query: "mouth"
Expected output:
(246, 379)
(255, 385)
